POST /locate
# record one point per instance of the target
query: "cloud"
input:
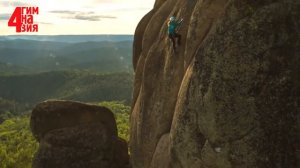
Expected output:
(106, 1)
(45, 23)
(88, 16)
(93, 17)
(63, 12)
(14, 3)
(5, 16)
(132, 9)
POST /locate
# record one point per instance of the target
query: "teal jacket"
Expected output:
(172, 26)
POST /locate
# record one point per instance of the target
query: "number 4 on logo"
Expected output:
(15, 19)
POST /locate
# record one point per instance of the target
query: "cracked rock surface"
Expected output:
(229, 97)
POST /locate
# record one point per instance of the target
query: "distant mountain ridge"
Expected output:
(42, 56)
(69, 85)
(69, 38)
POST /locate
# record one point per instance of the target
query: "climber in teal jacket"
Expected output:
(172, 28)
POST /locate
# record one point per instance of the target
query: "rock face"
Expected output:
(230, 95)
(76, 135)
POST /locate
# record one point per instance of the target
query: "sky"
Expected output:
(58, 17)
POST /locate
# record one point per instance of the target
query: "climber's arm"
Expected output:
(180, 22)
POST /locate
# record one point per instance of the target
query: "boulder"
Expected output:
(73, 134)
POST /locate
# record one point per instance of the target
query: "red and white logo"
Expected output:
(23, 19)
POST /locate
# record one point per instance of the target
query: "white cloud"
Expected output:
(89, 16)
(13, 3)
(4, 16)
(81, 16)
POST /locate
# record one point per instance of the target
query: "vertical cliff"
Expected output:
(230, 95)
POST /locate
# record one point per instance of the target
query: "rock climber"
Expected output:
(173, 25)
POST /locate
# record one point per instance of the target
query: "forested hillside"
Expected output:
(18, 146)
(89, 69)
(20, 92)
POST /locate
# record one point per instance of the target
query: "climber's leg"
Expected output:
(172, 37)
(179, 38)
